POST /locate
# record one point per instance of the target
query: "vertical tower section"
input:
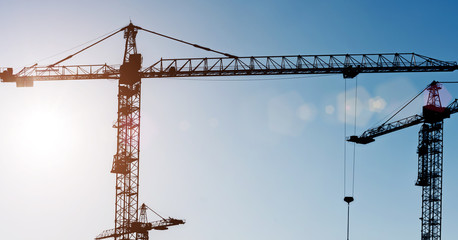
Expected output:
(430, 158)
(126, 160)
(430, 164)
(142, 233)
(433, 96)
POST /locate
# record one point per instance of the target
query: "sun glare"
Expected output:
(39, 136)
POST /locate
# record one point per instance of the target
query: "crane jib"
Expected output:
(429, 115)
(349, 65)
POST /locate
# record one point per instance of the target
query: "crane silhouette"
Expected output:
(130, 74)
(430, 155)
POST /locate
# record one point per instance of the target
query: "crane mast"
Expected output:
(130, 224)
(126, 159)
(430, 164)
(430, 156)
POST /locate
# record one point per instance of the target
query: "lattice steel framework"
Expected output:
(126, 159)
(349, 65)
(143, 226)
(430, 156)
(433, 96)
(143, 218)
(430, 163)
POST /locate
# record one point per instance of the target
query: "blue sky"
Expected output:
(238, 160)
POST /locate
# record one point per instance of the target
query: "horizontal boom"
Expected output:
(350, 65)
(369, 135)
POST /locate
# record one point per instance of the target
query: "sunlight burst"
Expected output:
(39, 136)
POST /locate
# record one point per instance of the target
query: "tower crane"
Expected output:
(143, 226)
(430, 155)
(130, 73)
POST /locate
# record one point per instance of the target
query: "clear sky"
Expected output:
(238, 160)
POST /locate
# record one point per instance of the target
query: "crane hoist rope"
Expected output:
(345, 143)
(354, 145)
(352, 182)
(346, 199)
(349, 198)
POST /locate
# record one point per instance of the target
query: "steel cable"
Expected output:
(188, 43)
(84, 49)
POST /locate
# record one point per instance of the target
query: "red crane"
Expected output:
(430, 155)
(130, 73)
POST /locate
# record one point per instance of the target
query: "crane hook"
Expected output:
(348, 200)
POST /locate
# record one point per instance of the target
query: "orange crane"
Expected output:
(130, 73)
(430, 155)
